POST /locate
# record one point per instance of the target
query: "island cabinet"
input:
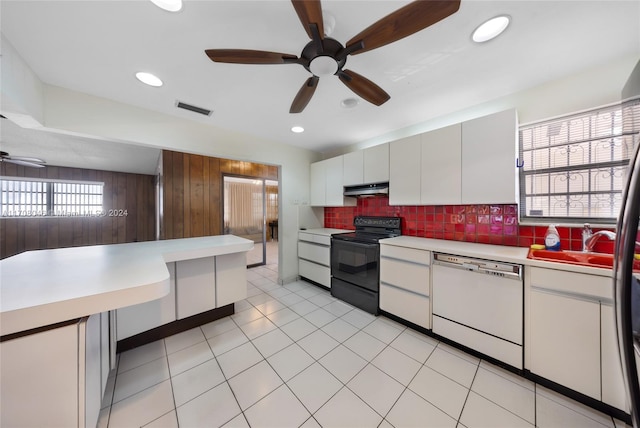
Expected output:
(405, 286)
(571, 333)
(196, 286)
(55, 377)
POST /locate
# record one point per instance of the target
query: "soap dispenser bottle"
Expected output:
(552, 239)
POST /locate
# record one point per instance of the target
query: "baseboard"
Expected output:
(174, 327)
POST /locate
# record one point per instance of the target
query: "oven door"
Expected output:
(356, 263)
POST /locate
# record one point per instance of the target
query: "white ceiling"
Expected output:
(95, 47)
(77, 152)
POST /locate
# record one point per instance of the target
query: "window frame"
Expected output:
(634, 133)
(51, 208)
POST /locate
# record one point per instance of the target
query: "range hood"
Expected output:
(364, 190)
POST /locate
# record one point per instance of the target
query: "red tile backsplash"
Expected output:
(487, 224)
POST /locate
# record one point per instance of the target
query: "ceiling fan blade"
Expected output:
(23, 163)
(304, 94)
(364, 87)
(404, 22)
(310, 12)
(26, 159)
(247, 56)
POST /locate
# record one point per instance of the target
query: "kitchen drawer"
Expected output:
(596, 287)
(315, 253)
(315, 272)
(406, 254)
(407, 275)
(318, 239)
(406, 305)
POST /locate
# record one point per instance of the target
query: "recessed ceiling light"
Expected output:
(490, 29)
(170, 5)
(349, 102)
(297, 129)
(148, 78)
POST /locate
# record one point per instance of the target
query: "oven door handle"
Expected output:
(355, 244)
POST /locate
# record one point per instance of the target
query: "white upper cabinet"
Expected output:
(353, 168)
(318, 185)
(335, 190)
(441, 166)
(376, 164)
(404, 171)
(489, 152)
(326, 188)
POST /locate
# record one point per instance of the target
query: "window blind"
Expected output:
(573, 167)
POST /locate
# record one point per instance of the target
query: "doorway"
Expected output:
(251, 212)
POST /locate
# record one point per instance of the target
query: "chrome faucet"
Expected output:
(589, 238)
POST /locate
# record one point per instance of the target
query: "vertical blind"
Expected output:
(574, 167)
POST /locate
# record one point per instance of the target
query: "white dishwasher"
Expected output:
(479, 304)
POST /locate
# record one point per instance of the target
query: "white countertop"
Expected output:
(499, 253)
(325, 231)
(43, 287)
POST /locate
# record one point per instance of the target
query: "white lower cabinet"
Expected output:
(231, 278)
(314, 253)
(571, 334)
(195, 286)
(54, 377)
(405, 283)
(565, 341)
(135, 319)
(613, 389)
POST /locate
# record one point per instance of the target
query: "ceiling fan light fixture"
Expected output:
(491, 29)
(168, 5)
(149, 79)
(297, 129)
(323, 65)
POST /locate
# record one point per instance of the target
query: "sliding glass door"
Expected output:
(251, 212)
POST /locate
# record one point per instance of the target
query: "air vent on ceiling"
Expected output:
(194, 109)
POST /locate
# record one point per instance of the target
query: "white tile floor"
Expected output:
(293, 356)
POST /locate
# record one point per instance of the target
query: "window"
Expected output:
(25, 197)
(574, 167)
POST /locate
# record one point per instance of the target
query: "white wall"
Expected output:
(590, 88)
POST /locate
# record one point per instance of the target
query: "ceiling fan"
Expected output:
(21, 160)
(324, 56)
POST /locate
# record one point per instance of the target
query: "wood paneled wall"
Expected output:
(192, 192)
(133, 192)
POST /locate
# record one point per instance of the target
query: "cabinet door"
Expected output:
(318, 186)
(195, 286)
(334, 187)
(90, 367)
(613, 391)
(404, 171)
(441, 165)
(489, 147)
(353, 168)
(135, 319)
(40, 382)
(376, 164)
(565, 340)
(231, 278)
(406, 305)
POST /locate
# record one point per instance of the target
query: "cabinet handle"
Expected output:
(519, 163)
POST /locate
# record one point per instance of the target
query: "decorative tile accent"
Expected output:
(485, 224)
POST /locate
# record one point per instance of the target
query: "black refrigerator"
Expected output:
(627, 282)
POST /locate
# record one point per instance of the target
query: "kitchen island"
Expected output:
(57, 326)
